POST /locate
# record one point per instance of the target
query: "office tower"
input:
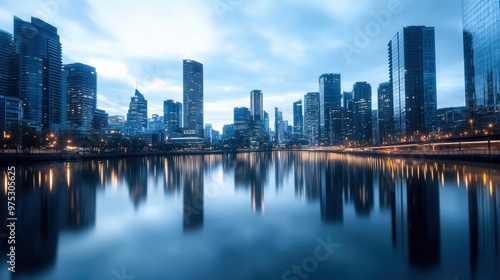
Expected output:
(330, 98)
(298, 120)
(348, 116)
(8, 64)
(279, 128)
(375, 131)
(385, 113)
(362, 94)
(257, 113)
(311, 117)
(100, 120)
(412, 70)
(81, 87)
(193, 98)
(242, 123)
(267, 127)
(40, 73)
(137, 116)
(228, 131)
(11, 114)
(481, 20)
(172, 116)
(209, 133)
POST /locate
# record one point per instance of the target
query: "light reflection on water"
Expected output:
(253, 216)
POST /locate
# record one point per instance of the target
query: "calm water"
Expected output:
(276, 216)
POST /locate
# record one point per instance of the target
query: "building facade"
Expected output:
(81, 87)
(39, 73)
(8, 63)
(298, 120)
(330, 97)
(172, 116)
(481, 21)
(385, 113)
(362, 93)
(311, 117)
(193, 98)
(412, 70)
(137, 116)
(257, 113)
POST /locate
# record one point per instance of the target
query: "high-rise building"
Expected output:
(81, 87)
(242, 123)
(348, 116)
(385, 113)
(172, 116)
(257, 113)
(193, 98)
(412, 70)
(330, 98)
(228, 131)
(279, 127)
(311, 117)
(100, 120)
(137, 116)
(481, 20)
(8, 64)
(267, 127)
(11, 113)
(40, 73)
(298, 120)
(362, 93)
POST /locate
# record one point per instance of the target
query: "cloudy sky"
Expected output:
(281, 47)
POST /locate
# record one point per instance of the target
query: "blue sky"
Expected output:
(280, 47)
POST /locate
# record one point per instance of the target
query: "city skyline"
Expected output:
(238, 52)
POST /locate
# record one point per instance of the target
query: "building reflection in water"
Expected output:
(193, 178)
(62, 197)
(251, 172)
(51, 199)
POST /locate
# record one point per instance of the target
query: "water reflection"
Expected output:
(409, 195)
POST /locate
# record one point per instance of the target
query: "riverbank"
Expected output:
(464, 156)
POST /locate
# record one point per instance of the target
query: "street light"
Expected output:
(471, 121)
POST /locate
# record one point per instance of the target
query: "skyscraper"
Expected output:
(348, 116)
(257, 113)
(481, 20)
(279, 127)
(412, 70)
(362, 93)
(81, 86)
(172, 116)
(137, 116)
(385, 112)
(8, 63)
(193, 98)
(330, 98)
(242, 123)
(40, 73)
(311, 117)
(298, 120)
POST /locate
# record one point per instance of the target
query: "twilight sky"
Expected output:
(280, 47)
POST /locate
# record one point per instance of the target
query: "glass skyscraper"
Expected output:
(257, 113)
(385, 112)
(8, 62)
(137, 116)
(362, 97)
(298, 120)
(81, 86)
(481, 20)
(193, 98)
(412, 70)
(311, 117)
(40, 73)
(330, 98)
(172, 116)
(242, 123)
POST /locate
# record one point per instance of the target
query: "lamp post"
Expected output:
(471, 121)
